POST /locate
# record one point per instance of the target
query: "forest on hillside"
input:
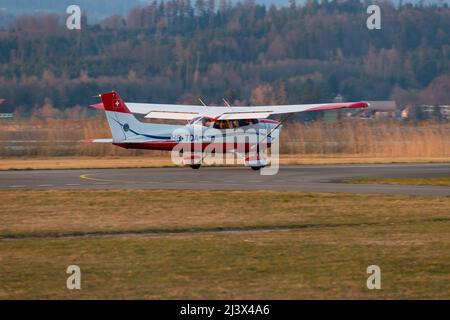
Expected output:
(179, 50)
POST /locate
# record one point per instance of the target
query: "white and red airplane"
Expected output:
(216, 129)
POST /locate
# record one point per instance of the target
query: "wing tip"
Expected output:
(360, 104)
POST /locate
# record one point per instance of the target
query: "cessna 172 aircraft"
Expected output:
(219, 129)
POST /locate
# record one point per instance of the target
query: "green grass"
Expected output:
(328, 243)
(439, 181)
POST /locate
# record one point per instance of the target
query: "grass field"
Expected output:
(32, 163)
(222, 244)
(438, 181)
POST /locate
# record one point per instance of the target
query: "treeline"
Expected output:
(179, 50)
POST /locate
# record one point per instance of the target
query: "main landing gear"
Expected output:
(256, 162)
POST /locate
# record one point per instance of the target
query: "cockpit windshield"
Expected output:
(203, 121)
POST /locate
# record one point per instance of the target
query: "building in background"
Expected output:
(445, 111)
(431, 112)
(4, 114)
(377, 110)
(383, 109)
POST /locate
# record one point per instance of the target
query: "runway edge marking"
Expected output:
(87, 176)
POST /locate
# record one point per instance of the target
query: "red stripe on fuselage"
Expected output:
(169, 145)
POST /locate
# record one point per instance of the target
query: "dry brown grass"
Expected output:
(351, 138)
(32, 163)
(435, 181)
(371, 139)
(59, 137)
(61, 211)
(18, 163)
(61, 144)
(408, 237)
(288, 159)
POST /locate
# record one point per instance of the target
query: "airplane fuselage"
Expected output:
(222, 137)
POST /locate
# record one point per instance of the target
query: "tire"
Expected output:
(195, 166)
(256, 168)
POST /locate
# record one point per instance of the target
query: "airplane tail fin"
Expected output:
(119, 117)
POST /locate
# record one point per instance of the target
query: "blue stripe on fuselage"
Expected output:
(145, 135)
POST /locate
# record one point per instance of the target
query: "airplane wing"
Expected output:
(232, 113)
(188, 112)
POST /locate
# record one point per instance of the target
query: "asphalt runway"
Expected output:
(306, 178)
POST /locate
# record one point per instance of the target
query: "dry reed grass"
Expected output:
(369, 139)
(66, 137)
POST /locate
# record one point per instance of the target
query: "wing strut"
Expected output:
(276, 127)
(226, 102)
(204, 104)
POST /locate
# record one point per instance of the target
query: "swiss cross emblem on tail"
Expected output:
(113, 102)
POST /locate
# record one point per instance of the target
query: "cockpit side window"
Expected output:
(229, 124)
(244, 122)
(224, 124)
(219, 124)
(247, 122)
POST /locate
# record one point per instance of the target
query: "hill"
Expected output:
(174, 52)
